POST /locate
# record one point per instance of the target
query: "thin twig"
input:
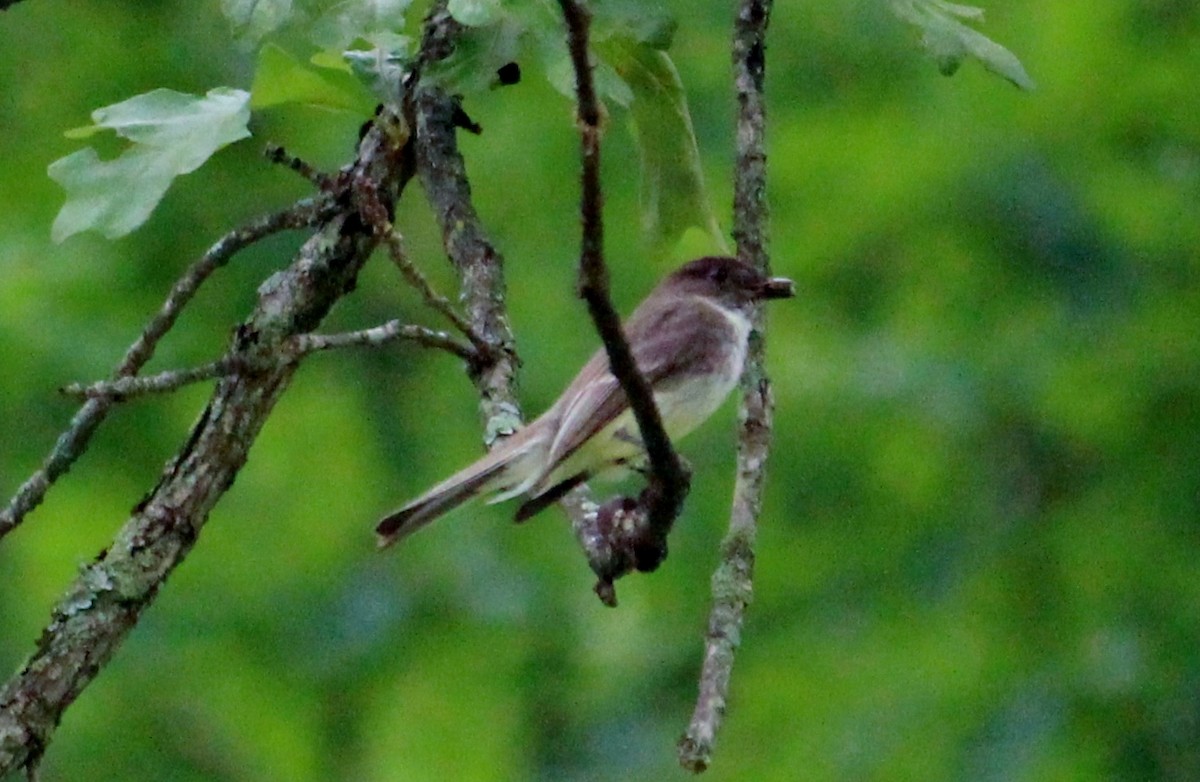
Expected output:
(377, 216)
(131, 386)
(303, 344)
(299, 346)
(669, 479)
(395, 246)
(277, 154)
(732, 583)
(72, 442)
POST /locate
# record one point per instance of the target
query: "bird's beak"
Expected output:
(778, 288)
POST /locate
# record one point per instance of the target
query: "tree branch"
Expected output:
(481, 269)
(303, 344)
(479, 264)
(732, 583)
(74, 441)
(639, 544)
(277, 154)
(106, 600)
(435, 300)
(130, 386)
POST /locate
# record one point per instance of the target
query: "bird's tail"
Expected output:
(501, 469)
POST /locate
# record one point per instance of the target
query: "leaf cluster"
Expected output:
(357, 52)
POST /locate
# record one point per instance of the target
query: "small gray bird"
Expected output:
(689, 340)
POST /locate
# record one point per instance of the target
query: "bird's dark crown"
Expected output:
(727, 279)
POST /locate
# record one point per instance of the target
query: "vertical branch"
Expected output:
(480, 266)
(732, 583)
(669, 480)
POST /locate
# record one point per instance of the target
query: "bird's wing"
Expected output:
(668, 346)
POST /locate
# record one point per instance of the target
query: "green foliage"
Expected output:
(374, 21)
(257, 18)
(633, 72)
(475, 13)
(280, 78)
(949, 41)
(978, 554)
(673, 194)
(172, 134)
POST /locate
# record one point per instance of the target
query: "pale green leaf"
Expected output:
(172, 133)
(334, 61)
(381, 69)
(281, 78)
(256, 18)
(113, 197)
(83, 132)
(961, 11)
(353, 20)
(475, 13)
(193, 126)
(633, 19)
(950, 42)
(610, 85)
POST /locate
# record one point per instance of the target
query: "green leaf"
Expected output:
(635, 20)
(479, 53)
(560, 72)
(256, 18)
(381, 69)
(281, 78)
(352, 20)
(172, 133)
(949, 41)
(673, 194)
(475, 13)
(632, 71)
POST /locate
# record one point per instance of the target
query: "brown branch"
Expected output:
(479, 265)
(732, 583)
(644, 545)
(104, 603)
(74, 441)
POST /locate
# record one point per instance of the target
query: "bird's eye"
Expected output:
(719, 274)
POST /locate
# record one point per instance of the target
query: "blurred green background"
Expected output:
(978, 555)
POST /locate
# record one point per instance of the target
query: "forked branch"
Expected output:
(74, 441)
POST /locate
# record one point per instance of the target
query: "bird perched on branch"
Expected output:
(688, 338)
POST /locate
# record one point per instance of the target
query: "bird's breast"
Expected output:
(686, 404)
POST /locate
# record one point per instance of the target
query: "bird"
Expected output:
(688, 338)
